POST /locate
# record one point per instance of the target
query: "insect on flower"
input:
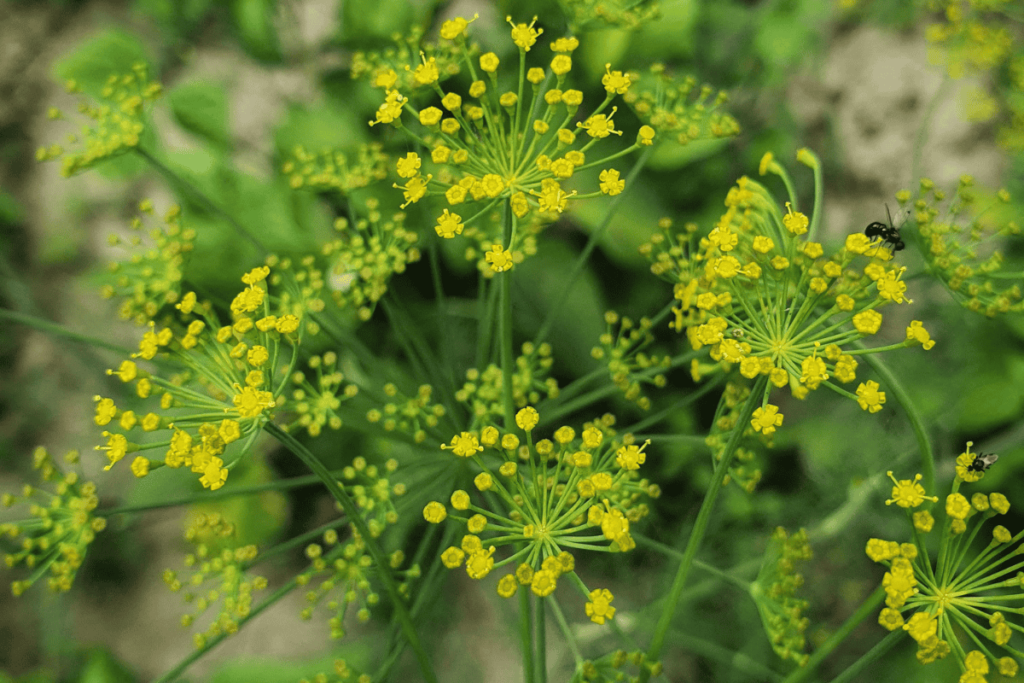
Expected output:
(982, 461)
(890, 233)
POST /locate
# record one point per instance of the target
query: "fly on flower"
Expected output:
(890, 233)
(982, 461)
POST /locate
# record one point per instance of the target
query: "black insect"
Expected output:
(890, 233)
(982, 461)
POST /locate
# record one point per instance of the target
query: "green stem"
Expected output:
(672, 552)
(595, 237)
(207, 496)
(203, 199)
(923, 443)
(701, 525)
(372, 547)
(871, 655)
(922, 131)
(505, 326)
(526, 634)
(825, 649)
(819, 193)
(737, 660)
(216, 640)
(541, 641)
(60, 331)
(570, 639)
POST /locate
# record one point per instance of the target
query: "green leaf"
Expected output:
(202, 108)
(254, 21)
(670, 36)
(537, 283)
(633, 223)
(11, 212)
(91, 63)
(103, 667)
(320, 128)
(674, 156)
(366, 21)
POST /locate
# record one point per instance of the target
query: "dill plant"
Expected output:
(529, 483)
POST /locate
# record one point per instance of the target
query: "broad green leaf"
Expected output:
(364, 21)
(634, 221)
(254, 21)
(112, 52)
(320, 128)
(103, 667)
(202, 108)
(537, 283)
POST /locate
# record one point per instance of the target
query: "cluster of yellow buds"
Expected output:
(216, 560)
(764, 298)
(334, 171)
(541, 497)
(629, 366)
(482, 391)
(118, 121)
(150, 280)
(228, 387)
(970, 585)
(516, 147)
(344, 569)
(61, 524)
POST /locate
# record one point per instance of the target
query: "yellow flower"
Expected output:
(449, 225)
(527, 418)
(869, 397)
(599, 609)
(766, 419)
(908, 493)
(524, 36)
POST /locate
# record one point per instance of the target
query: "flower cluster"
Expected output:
(544, 498)
(629, 366)
(368, 251)
(775, 594)
(596, 14)
(741, 470)
(390, 68)
(344, 569)
(150, 279)
(766, 299)
(970, 589)
(610, 668)
(960, 246)
(227, 389)
(482, 391)
(117, 121)
(968, 40)
(342, 672)
(518, 146)
(315, 402)
(333, 171)
(216, 562)
(412, 415)
(61, 524)
(678, 109)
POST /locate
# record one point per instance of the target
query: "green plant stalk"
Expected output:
(216, 640)
(870, 656)
(825, 649)
(922, 130)
(737, 660)
(923, 443)
(819, 192)
(701, 525)
(207, 496)
(526, 634)
(595, 237)
(60, 331)
(203, 199)
(563, 625)
(541, 661)
(505, 335)
(726, 576)
(505, 326)
(376, 553)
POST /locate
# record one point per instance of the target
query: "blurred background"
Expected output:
(247, 80)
